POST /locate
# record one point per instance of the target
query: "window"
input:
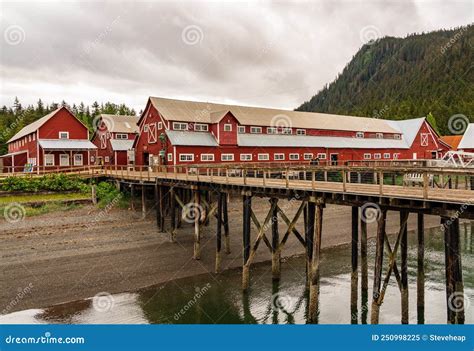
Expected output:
(279, 157)
(377, 156)
(308, 156)
(107, 159)
(255, 130)
(145, 128)
(245, 157)
(386, 155)
(78, 160)
(49, 160)
(379, 135)
(159, 125)
(170, 157)
(322, 156)
(359, 135)
(227, 127)
(207, 157)
(263, 157)
(186, 157)
(34, 137)
(63, 135)
(396, 156)
(121, 136)
(294, 157)
(424, 139)
(272, 130)
(367, 156)
(64, 160)
(397, 136)
(199, 127)
(29, 137)
(241, 129)
(227, 157)
(286, 131)
(180, 126)
(301, 132)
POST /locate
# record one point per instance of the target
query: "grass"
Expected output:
(57, 197)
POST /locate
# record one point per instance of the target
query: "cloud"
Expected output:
(256, 53)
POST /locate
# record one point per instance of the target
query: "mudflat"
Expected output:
(70, 255)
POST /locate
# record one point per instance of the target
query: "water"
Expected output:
(211, 299)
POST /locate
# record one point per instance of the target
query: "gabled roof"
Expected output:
(205, 112)
(191, 138)
(121, 145)
(452, 140)
(467, 141)
(408, 127)
(121, 123)
(33, 127)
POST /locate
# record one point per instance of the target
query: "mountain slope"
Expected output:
(400, 78)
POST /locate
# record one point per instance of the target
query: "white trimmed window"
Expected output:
(121, 136)
(145, 128)
(263, 157)
(78, 160)
(256, 130)
(367, 156)
(227, 157)
(49, 160)
(159, 125)
(321, 156)
(396, 156)
(241, 129)
(200, 127)
(386, 155)
(227, 127)
(294, 157)
(397, 136)
(359, 134)
(107, 159)
(245, 157)
(170, 157)
(379, 135)
(377, 156)
(272, 130)
(279, 157)
(308, 156)
(34, 137)
(64, 160)
(180, 126)
(29, 137)
(63, 135)
(286, 131)
(186, 157)
(301, 132)
(207, 157)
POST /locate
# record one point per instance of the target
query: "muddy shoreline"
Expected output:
(66, 256)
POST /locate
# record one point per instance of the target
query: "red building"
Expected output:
(114, 137)
(56, 140)
(182, 132)
(467, 141)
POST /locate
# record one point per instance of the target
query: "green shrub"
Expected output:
(52, 182)
(109, 196)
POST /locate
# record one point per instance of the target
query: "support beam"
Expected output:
(404, 264)
(143, 202)
(364, 286)
(378, 266)
(354, 263)
(220, 203)
(420, 282)
(197, 224)
(132, 195)
(276, 253)
(173, 214)
(157, 206)
(309, 235)
(314, 286)
(161, 207)
(247, 203)
(226, 222)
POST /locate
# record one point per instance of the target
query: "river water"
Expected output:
(218, 299)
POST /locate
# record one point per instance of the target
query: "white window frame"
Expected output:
(263, 157)
(241, 129)
(201, 127)
(186, 157)
(227, 157)
(245, 157)
(170, 157)
(424, 141)
(367, 156)
(48, 159)
(78, 160)
(29, 137)
(145, 128)
(294, 157)
(63, 157)
(121, 136)
(63, 132)
(396, 156)
(227, 127)
(279, 157)
(360, 135)
(397, 136)
(256, 130)
(386, 155)
(322, 156)
(301, 132)
(159, 125)
(207, 157)
(107, 159)
(308, 156)
(180, 126)
(286, 131)
(272, 130)
(379, 135)
(377, 156)
(34, 137)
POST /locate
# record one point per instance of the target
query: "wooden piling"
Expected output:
(364, 286)
(309, 235)
(354, 263)
(420, 281)
(276, 254)
(161, 208)
(220, 200)
(247, 203)
(404, 265)
(132, 195)
(226, 222)
(197, 224)
(378, 266)
(143, 202)
(173, 214)
(314, 287)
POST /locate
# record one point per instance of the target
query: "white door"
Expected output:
(78, 160)
(64, 160)
(414, 155)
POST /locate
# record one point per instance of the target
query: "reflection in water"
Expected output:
(219, 299)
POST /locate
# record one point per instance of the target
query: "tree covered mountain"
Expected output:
(401, 78)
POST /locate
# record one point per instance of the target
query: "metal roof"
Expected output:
(191, 138)
(205, 112)
(467, 141)
(121, 145)
(408, 128)
(66, 144)
(121, 123)
(33, 127)
(266, 140)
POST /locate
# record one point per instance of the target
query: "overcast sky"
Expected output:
(275, 54)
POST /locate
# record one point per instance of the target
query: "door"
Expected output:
(414, 156)
(64, 160)
(334, 159)
(146, 158)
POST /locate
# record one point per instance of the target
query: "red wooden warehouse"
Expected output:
(56, 140)
(114, 137)
(182, 132)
